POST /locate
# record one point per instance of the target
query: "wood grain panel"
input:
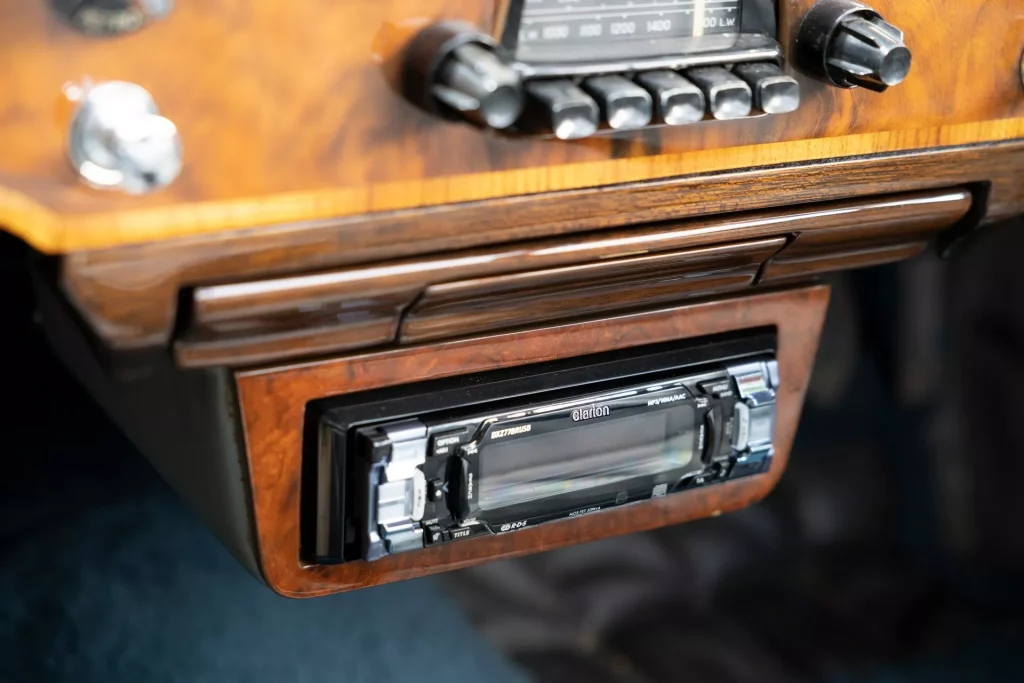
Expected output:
(802, 267)
(237, 325)
(289, 112)
(273, 403)
(129, 294)
(328, 328)
(485, 304)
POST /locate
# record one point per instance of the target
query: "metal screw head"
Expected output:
(119, 141)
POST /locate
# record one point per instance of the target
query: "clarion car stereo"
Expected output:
(489, 454)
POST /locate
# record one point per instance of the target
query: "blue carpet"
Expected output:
(106, 577)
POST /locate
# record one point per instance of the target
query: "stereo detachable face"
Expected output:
(449, 472)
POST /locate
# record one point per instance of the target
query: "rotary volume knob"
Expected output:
(455, 70)
(849, 44)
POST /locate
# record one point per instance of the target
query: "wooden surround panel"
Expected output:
(273, 404)
(289, 111)
(129, 294)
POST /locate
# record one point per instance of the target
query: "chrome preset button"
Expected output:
(624, 104)
(562, 108)
(677, 101)
(727, 95)
(774, 91)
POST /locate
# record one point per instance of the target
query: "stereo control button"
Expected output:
(470, 532)
(677, 101)
(774, 91)
(728, 96)
(624, 104)
(772, 367)
(458, 483)
(446, 443)
(747, 466)
(717, 388)
(713, 427)
(563, 108)
(740, 427)
(762, 424)
(435, 534)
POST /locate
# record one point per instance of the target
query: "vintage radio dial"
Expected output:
(455, 70)
(850, 45)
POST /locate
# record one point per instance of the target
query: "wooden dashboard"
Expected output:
(290, 112)
(326, 236)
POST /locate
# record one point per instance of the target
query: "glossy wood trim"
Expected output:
(331, 330)
(273, 403)
(802, 267)
(129, 295)
(486, 304)
(307, 316)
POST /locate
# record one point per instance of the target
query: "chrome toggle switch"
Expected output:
(119, 141)
(563, 108)
(774, 91)
(624, 104)
(677, 101)
(727, 95)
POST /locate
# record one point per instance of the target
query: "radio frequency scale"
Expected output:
(592, 30)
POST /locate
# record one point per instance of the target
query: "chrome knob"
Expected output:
(850, 45)
(119, 141)
(474, 82)
(453, 69)
(111, 17)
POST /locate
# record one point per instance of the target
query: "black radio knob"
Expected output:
(454, 70)
(849, 44)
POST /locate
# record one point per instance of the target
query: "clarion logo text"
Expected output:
(590, 412)
(522, 429)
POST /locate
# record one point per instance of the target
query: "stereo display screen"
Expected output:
(588, 456)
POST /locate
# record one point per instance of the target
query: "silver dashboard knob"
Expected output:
(476, 83)
(119, 141)
(111, 17)
(850, 45)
